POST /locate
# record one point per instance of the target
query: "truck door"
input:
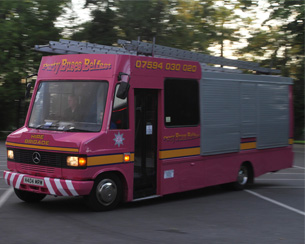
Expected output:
(146, 104)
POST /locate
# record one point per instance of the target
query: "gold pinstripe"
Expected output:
(61, 149)
(247, 145)
(108, 159)
(179, 153)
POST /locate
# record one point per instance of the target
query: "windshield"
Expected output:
(69, 106)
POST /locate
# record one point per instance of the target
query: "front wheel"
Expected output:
(28, 196)
(106, 193)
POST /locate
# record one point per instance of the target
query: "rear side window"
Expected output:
(181, 102)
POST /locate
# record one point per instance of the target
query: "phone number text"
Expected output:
(142, 64)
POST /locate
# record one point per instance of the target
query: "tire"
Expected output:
(28, 196)
(243, 178)
(106, 193)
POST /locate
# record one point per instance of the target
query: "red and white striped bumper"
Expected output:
(49, 186)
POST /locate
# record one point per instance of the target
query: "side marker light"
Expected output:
(126, 157)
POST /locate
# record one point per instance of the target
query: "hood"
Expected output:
(49, 140)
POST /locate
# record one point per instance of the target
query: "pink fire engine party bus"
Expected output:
(123, 126)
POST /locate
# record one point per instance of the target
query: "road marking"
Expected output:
(276, 202)
(298, 167)
(284, 187)
(6, 195)
(278, 179)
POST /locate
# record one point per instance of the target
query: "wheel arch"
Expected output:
(126, 187)
(250, 167)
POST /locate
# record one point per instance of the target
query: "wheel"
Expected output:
(106, 193)
(243, 178)
(28, 196)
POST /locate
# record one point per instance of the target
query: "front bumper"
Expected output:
(49, 186)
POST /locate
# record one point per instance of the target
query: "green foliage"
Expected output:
(190, 25)
(100, 30)
(23, 24)
(123, 19)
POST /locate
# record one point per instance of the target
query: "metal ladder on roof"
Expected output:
(151, 49)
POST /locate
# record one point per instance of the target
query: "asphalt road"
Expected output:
(272, 211)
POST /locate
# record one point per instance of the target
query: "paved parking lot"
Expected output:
(272, 211)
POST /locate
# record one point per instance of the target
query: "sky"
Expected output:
(82, 15)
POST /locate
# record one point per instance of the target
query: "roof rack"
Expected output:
(151, 49)
(75, 47)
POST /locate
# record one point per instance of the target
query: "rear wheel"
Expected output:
(28, 196)
(106, 193)
(244, 177)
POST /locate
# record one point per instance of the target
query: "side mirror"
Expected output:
(28, 86)
(123, 90)
(28, 90)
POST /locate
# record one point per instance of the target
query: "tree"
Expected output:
(175, 23)
(188, 25)
(227, 22)
(121, 19)
(101, 29)
(23, 24)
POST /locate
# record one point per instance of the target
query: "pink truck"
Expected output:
(124, 127)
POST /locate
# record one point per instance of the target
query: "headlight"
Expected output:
(10, 154)
(75, 161)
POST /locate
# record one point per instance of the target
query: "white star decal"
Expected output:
(119, 139)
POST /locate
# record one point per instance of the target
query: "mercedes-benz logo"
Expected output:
(36, 157)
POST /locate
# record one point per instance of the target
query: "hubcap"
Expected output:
(106, 192)
(243, 175)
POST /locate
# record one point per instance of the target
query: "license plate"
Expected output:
(33, 181)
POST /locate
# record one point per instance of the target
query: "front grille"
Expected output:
(37, 168)
(49, 159)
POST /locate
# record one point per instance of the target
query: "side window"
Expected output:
(181, 102)
(119, 116)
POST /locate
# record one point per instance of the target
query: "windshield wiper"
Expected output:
(72, 129)
(46, 126)
(39, 126)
